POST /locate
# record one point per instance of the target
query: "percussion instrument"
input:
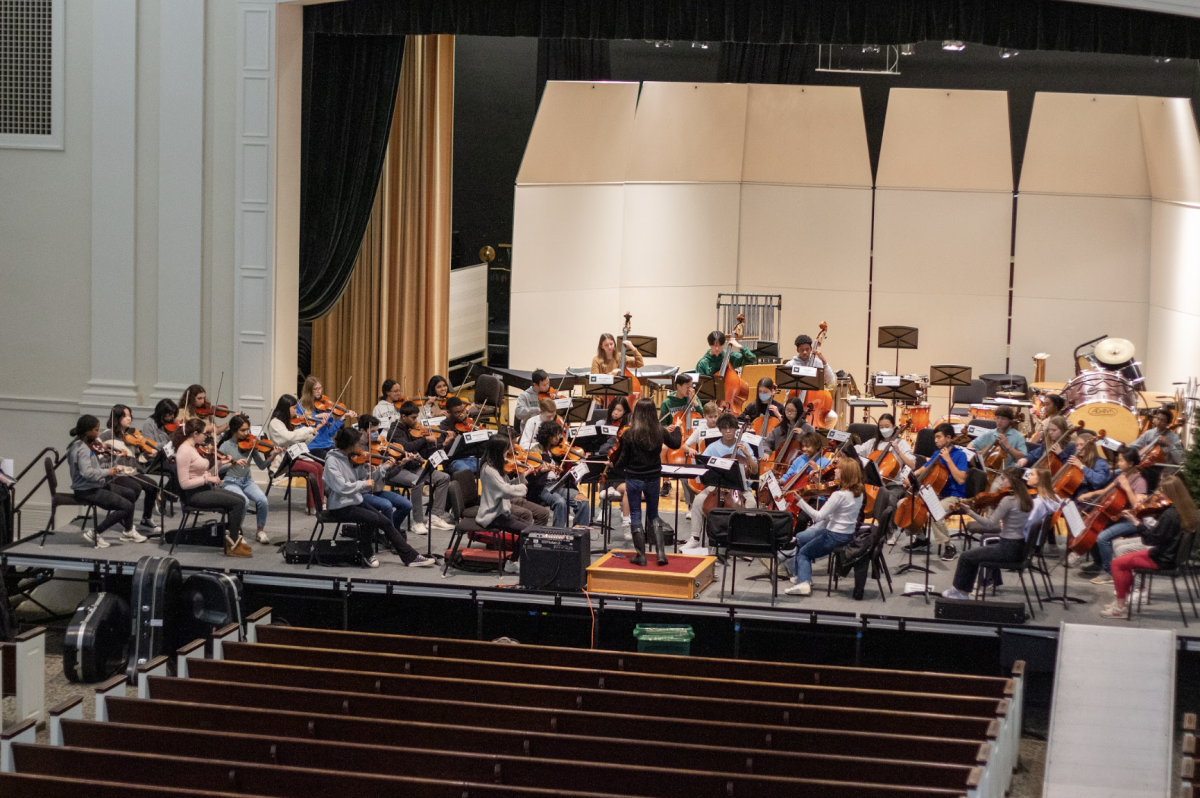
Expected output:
(872, 381)
(916, 416)
(952, 420)
(987, 412)
(1103, 399)
(1116, 354)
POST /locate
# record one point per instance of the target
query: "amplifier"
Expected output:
(555, 559)
(329, 552)
(1008, 612)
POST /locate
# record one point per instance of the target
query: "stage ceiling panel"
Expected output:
(581, 134)
(1172, 148)
(806, 135)
(948, 140)
(688, 133)
(1085, 144)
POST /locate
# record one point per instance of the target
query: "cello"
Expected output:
(635, 387)
(1069, 479)
(885, 460)
(736, 389)
(683, 420)
(729, 499)
(912, 513)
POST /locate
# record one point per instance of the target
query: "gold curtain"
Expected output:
(393, 319)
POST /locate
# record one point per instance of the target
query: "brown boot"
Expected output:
(239, 549)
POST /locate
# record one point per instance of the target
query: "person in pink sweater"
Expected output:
(202, 487)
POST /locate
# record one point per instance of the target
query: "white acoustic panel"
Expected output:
(806, 135)
(1085, 144)
(567, 237)
(468, 310)
(1172, 148)
(803, 311)
(1058, 325)
(680, 316)
(556, 329)
(805, 237)
(686, 132)
(581, 134)
(947, 140)
(1172, 355)
(680, 235)
(970, 330)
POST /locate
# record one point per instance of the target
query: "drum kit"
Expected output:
(1105, 391)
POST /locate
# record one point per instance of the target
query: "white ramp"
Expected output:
(1111, 724)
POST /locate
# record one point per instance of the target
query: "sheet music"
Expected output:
(1074, 519)
(933, 503)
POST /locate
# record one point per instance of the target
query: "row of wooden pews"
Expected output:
(302, 713)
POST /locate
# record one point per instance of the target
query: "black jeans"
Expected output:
(1007, 550)
(115, 498)
(507, 522)
(368, 521)
(213, 498)
(140, 486)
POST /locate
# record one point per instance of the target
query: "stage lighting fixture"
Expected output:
(907, 49)
(1009, 53)
(953, 45)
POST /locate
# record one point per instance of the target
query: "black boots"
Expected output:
(656, 529)
(639, 543)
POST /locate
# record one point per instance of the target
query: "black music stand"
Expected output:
(580, 410)
(646, 345)
(710, 388)
(786, 379)
(906, 391)
(897, 337)
(767, 350)
(620, 386)
(950, 377)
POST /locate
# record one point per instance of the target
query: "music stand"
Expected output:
(620, 386)
(766, 349)
(580, 410)
(646, 345)
(710, 388)
(950, 377)
(787, 380)
(906, 391)
(897, 337)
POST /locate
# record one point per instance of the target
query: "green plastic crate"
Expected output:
(664, 639)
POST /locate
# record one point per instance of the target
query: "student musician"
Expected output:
(1053, 431)
(810, 458)
(711, 362)
(161, 423)
(1087, 458)
(95, 482)
(286, 432)
(678, 399)
(527, 402)
(806, 358)
(608, 360)
(414, 475)
(236, 476)
(793, 414)
(386, 409)
(1161, 536)
(725, 446)
(956, 463)
(1053, 406)
(547, 412)
(1161, 432)
(1009, 519)
(549, 436)
(193, 399)
(496, 495)
(888, 436)
(346, 488)
(617, 417)
(1005, 435)
(1131, 481)
(120, 422)
(327, 426)
(433, 409)
(832, 526)
(640, 460)
(392, 504)
(764, 403)
(202, 487)
(462, 458)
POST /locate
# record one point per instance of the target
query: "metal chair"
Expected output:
(1180, 570)
(489, 388)
(1019, 568)
(964, 397)
(752, 534)
(882, 511)
(64, 500)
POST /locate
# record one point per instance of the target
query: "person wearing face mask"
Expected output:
(887, 435)
(763, 404)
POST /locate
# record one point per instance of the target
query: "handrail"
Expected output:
(57, 462)
(34, 462)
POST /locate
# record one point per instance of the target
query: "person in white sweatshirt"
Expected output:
(833, 526)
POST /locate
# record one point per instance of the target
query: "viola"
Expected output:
(252, 443)
(139, 442)
(205, 410)
(465, 426)
(104, 449)
(386, 449)
(517, 461)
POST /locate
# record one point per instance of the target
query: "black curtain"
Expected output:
(349, 93)
(571, 59)
(762, 63)
(1021, 24)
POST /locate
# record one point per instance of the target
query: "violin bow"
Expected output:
(220, 385)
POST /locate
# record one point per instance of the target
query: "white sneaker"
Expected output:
(373, 562)
(954, 593)
(688, 517)
(802, 589)
(1073, 559)
(420, 529)
(90, 537)
(440, 524)
(511, 567)
(422, 562)
(262, 538)
(627, 531)
(149, 527)
(132, 536)
(693, 546)
(892, 540)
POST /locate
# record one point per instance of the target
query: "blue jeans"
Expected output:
(635, 489)
(245, 487)
(1103, 550)
(812, 544)
(558, 503)
(465, 464)
(393, 506)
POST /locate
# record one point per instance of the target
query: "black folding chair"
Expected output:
(1179, 570)
(64, 500)
(1019, 568)
(752, 534)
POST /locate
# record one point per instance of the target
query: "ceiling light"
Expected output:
(953, 45)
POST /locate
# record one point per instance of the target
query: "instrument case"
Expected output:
(155, 605)
(96, 640)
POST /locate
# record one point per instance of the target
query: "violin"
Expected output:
(422, 431)
(301, 420)
(517, 461)
(386, 449)
(205, 410)
(567, 453)
(982, 501)
(171, 427)
(1154, 504)
(326, 405)
(256, 444)
(104, 449)
(139, 442)
(358, 457)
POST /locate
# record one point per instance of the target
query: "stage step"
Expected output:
(1112, 720)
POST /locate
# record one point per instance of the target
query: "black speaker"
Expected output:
(555, 559)
(979, 611)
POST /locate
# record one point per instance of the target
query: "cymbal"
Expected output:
(1052, 387)
(1114, 351)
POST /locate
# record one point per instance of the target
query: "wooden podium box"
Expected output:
(683, 577)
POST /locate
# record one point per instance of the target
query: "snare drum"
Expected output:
(917, 416)
(983, 411)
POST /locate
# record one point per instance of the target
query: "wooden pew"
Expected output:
(28, 785)
(640, 775)
(741, 734)
(852, 757)
(748, 748)
(702, 667)
(603, 701)
(295, 782)
(617, 681)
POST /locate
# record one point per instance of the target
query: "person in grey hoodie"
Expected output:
(496, 495)
(345, 485)
(94, 483)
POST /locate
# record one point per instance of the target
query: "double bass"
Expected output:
(819, 404)
(635, 387)
(736, 389)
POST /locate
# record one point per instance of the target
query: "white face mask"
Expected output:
(888, 432)
(764, 397)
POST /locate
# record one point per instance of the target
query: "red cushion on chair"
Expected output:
(494, 537)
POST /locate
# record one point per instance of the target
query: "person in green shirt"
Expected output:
(684, 389)
(711, 362)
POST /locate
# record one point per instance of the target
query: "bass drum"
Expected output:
(1103, 400)
(917, 416)
(1118, 422)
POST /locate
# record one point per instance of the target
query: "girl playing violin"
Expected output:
(434, 406)
(161, 423)
(202, 487)
(549, 437)
(413, 475)
(387, 408)
(236, 475)
(92, 482)
(120, 422)
(193, 404)
(312, 394)
(390, 503)
(283, 429)
(833, 526)
(1009, 520)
